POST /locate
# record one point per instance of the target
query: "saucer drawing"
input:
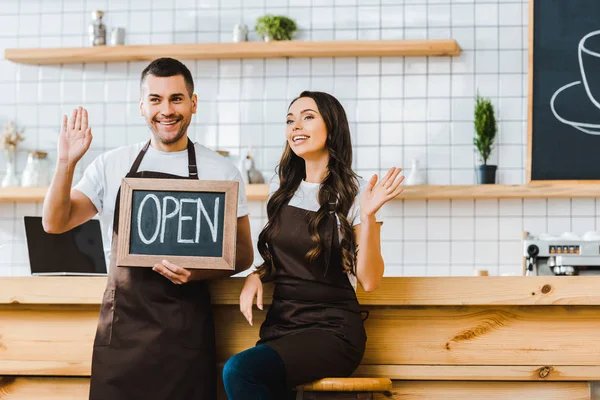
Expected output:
(584, 117)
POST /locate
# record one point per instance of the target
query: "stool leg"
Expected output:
(336, 396)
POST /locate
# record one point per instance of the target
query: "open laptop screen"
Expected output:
(76, 252)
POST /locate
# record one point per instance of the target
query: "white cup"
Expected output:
(117, 37)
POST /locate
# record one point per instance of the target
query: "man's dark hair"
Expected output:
(165, 67)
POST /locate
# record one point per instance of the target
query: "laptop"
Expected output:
(75, 252)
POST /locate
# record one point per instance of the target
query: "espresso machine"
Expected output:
(565, 255)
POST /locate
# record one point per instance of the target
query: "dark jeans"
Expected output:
(256, 374)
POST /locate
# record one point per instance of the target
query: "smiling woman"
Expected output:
(321, 238)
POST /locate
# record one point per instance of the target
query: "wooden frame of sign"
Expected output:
(224, 196)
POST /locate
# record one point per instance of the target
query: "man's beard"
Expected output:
(180, 133)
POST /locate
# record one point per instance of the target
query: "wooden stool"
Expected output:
(344, 389)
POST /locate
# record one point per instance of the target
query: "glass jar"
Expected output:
(36, 170)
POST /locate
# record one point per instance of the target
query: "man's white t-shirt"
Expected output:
(102, 178)
(307, 198)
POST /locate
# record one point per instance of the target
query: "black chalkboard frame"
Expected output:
(530, 94)
(529, 168)
(224, 263)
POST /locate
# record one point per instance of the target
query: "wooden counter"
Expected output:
(450, 338)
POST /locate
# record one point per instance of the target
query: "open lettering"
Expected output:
(171, 208)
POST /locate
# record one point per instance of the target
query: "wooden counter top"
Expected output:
(436, 337)
(397, 291)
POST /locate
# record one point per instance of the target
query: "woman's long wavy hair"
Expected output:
(340, 188)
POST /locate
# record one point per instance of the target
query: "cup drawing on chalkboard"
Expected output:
(584, 93)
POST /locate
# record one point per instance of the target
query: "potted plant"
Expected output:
(485, 133)
(275, 27)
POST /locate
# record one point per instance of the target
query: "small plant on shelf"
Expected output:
(275, 27)
(485, 134)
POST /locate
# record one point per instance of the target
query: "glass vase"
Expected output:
(10, 178)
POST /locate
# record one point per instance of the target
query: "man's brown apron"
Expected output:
(155, 339)
(314, 322)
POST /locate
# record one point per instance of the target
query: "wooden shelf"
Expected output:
(201, 51)
(22, 194)
(431, 192)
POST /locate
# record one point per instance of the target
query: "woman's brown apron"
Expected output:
(155, 340)
(314, 322)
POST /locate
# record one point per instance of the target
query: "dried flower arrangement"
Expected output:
(10, 137)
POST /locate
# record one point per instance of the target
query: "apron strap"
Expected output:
(192, 167)
(138, 159)
(331, 229)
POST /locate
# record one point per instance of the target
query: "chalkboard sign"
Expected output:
(564, 90)
(191, 223)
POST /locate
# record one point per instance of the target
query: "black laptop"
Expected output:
(76, 252)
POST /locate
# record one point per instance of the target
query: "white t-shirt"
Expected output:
(102, 178)
(307, 198)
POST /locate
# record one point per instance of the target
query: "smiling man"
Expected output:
(155, 336)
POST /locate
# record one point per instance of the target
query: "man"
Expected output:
(155, 336)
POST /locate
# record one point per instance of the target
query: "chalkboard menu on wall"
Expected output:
(564, 92)
(191, 223)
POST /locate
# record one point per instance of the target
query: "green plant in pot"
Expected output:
(275, 27)
(485, 133)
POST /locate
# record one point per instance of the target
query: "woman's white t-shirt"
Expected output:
(307, 198)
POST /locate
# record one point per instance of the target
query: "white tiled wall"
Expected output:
(399, 108)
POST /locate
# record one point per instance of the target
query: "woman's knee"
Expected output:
(234, 370)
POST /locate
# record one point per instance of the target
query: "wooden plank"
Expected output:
(257, 192)
(27, 388)
(47, 341)
(394, 291)
(434, 390)
(203, 51)
(485, 290)
(483, 335)
(502, 335)
(498, 191)
(260, 192)
(482, 372)
(44, 388)
(50, 341)
(22, 194)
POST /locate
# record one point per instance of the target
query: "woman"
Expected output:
(321, 237)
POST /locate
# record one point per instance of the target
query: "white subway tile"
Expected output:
(392, 229)
(438, 228)
(511, 228)
(367, 157)
(438, 109)
(510, 37)
(368, 87)
(438, 253)
(581, 225)
(415, 252)
(486, 253)
(438, 134)
(511, 253)
(559, 207)
(462, 253)
(369, 17)
(415, 86)
(558, 225)
(486, 14)
(509, 14)
(438, 86)
(486, 38)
